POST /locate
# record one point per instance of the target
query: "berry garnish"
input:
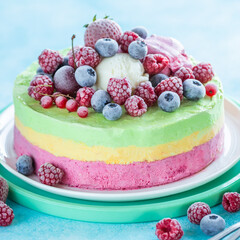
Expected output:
(193, 89)
(135, 106)
(112, 111)
(211, 89)
(169, 101)
(203, 72)
(50, 60)
(46, 101)
(184, 73)
(72, 105)
(169, 229)
(49, 174)
(61, 101)
(84, 96)
(154, 63)
(82, 112)
(99, 99)
(25, 165)
(126, 39)
(6, 214)
(3, 189)
(119, 89)
(231, 201)
(106, 47)
(137, 49)
(197, 211)
(140, 31)
(146, 92)
(85, 76)
(157, 78)
(55, 95)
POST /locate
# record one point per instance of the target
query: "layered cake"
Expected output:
(125, 111)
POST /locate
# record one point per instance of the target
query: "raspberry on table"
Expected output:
(46, 101)
(169, 229)
(154, 63)
(172, 84)
(6, 214)
(49, 174)
(197, 211)
(39, 86)
(119, 89)
(126, 39)
(82, 112)
(84, 96)
(211, 89)
(3, 189)
(231, 201)
(135, 106)
(50, 60)
(203, 72)
(145, 90)
(184, 73)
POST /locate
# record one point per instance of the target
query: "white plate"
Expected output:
(229, 158)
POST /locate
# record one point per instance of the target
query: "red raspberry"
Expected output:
(211, 89)
(172, 84)
(84, 56)
(82, 112)
(184, 73)
(135, 106)
(145, 90)
(49, 174)
(197, 211)
(50, 60)
(169, 229)
(119, 90)
(61, 101)
(154, 63)
(84, 96)
(72, 105)
(3, 189)
(39, 86)
(76, 48)
(126, 39)
(203, 72)
(231, 201)
(46, 101)
(6, 214)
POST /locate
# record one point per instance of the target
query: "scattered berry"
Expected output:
(169, 101)
(135, 106)
(212, 224)
(184, 73)
(203, 72)
(211, 89)
(146, 92)
(157, 78)
(39, 86)
(82, 112)
(61, 101)
(85, 76)
(193, 89)
(126, 39)
(25, 165)
(172, 84)
(46, 101)
(119, 89)
(141, 32)
(84, 96)
(137, 49)
(50, 60)
(231, 201)
(112, 111)
(49, 174)
(99, 99)
(3, 189)
(169, 229)
(6, 214)
(106, 47)
(197, 211)
(72, 105)
(154, 63)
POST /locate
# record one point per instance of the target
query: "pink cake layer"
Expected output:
(99, 175)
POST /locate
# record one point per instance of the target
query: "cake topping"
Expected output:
(46, 101)
(72, 105)
(169, 101)
(24, 165)
(140, 31)
(184, 73)
(126, 39)
(99, 99)
(3, 189)
(82, 112)
(61, 101)
(203, 72)
(137, 49)
(193, 89)
(6, 214)
(135, 106)
(157, 78)
(85, 76)
(106, 47)
(112, 111)
(211, 89)
(84, 96)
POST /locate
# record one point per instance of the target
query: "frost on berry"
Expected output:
(6, 214)
(135, 106)
(126, 39)
(84, 96)
(197, 211)
(203, 72)
(231, 201)
(184, 73)
(3, 189)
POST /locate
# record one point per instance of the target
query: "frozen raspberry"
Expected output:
(6, 214)
(119, 89)
(46, 101)
(84, 96)
(203, 72)
(61, 101)
(169, 229)
(172, 84)
(49, 174)
(50, 60)
(135, 106)
(184, 73)
(231, 201)
(211, 89)
(154, 63)
(76, 48)
(82, 112)
(84, 56)
(3, 189)
(39, 86)
(126, 39)
(72, 105)
(197, 211)
(145, 90)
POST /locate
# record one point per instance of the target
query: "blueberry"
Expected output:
(112, 111)
(193, 89)
(41, 72)
(137, 49)
(99, 99)
(157, 78)
(25, 165)
(141, 31)
(65, 61)
(106, 47)
(212, 224)
(169, 101)
(85, 76)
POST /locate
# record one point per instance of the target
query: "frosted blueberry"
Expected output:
(106, 47)
(157, 78)
(169, 101)
(65, 61)
(25, 165)
(141, 31)
(99, 99)
(41, 72)
(85, 76)
(112, 111)
(137, 49)
(193, 89)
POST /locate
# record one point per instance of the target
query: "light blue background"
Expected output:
(209, 30)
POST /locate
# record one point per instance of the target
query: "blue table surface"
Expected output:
(209, 30)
